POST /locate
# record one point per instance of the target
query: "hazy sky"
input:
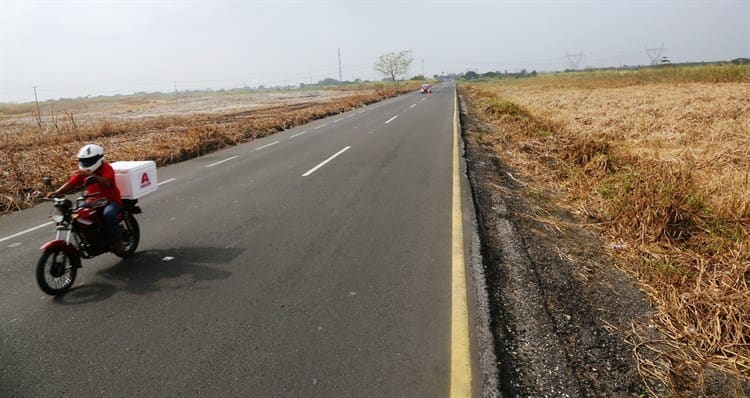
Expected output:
(89, 47)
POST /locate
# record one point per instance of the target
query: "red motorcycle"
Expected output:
(80, 233)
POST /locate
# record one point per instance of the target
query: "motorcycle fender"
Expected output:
(76, 257)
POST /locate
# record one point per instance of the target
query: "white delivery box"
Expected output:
(135, 179)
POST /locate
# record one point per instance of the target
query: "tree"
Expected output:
(328, 81)
(470, 75)
(393, 65)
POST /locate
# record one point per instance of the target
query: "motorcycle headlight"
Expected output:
(57, 216)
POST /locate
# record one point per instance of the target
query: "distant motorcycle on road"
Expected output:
(80, 233)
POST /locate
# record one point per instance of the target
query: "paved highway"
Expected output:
(314, 262)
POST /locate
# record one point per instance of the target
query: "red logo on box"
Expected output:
(145, 181)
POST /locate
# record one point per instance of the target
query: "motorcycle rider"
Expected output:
(91, 164)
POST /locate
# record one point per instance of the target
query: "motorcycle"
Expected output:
(80, 233)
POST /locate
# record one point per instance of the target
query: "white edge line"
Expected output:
(338, 120)
(323, 163)
(391, 119)
(166, 181)
(26, 231)
(222, 161)
(413, 105)
(298, 134)
(266, 146)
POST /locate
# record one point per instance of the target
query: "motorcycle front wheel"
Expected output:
(56, 271)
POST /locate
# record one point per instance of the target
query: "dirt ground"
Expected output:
(562, 316)
(86, 110)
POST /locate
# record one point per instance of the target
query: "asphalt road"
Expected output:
(260, 272)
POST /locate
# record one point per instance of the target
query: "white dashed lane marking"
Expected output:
(323, 163)
(222, 161)
(267, 145)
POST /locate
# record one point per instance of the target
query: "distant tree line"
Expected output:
(471, 75)
(329, 81)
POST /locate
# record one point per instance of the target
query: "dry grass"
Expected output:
(27, 154)
(662, 168)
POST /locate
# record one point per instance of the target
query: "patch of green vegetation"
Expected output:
(725, 230)
(499, 108)
(605, 191)
(618, 184)
(665, 269)
(621, 77)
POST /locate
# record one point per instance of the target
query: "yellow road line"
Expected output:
(460, 357)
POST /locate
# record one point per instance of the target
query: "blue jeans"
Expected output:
(111, 225)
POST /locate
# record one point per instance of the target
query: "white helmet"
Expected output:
(90, 157)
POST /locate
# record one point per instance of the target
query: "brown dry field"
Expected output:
(151, 127)
(661, 170)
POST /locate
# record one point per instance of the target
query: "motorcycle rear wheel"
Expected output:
(56, 271)
(131, 236)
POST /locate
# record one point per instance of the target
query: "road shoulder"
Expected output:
(560, 313)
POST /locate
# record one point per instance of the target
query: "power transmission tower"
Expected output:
(655, 54)
(574, 59)
(341, 78)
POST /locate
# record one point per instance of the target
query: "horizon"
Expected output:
(79, 48)
(318, 85)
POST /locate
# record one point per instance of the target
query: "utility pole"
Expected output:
(655, 54)
(422, 66)
(341, 78)
(574, 59)
(38, 113)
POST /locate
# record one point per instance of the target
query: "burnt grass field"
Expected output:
(156, 127)
(628, 196)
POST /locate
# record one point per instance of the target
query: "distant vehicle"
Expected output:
(426, 88)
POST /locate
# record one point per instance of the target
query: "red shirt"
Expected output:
(106, 171)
